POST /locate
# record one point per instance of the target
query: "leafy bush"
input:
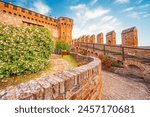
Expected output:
(108, 62)
(62, 45)
(23, 50)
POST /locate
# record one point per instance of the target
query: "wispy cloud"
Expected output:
(139, 1)
(36, 5)
(121, 1)
(128, 9)
(40, 7)
(144, 6)
(93, 1)
(92, 20)
(138, 12)
(137, 15)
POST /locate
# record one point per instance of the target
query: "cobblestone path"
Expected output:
(116, 87)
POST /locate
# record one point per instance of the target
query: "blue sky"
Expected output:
(95, 16)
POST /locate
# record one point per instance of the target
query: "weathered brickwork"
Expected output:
(88, 38)
(60, 28)
(81, 83)
(136, 60)
(100, 38)
(111, 38)
(92, 39)
(130, 37)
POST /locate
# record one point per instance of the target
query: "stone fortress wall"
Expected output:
(136, 60)
(129, 38)
(81, 83)
(60, 28)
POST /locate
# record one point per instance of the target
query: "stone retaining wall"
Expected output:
(81, 83)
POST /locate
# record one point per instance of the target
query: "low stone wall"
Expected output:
(81, 83)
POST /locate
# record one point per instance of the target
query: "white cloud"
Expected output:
(139, 1)
(91, 14)
(138, 12)
(128, 9)
(121, 1)
(35, 5)
(40, 7)
(144, 6)
(136, 15)
(89, 21)
(78, 7)
(93, 1)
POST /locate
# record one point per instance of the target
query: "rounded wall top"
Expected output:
(111, 32)
(129, 30)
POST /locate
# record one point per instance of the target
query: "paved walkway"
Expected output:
(58, 64)
(117, 87)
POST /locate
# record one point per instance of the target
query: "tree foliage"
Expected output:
(62, 45)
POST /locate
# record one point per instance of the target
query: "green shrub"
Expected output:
(23, 50)
(62, 45)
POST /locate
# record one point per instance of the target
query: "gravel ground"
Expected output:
(116, 87)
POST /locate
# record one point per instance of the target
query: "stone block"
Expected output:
(68, 80)
(23, 92)
(8, 94)
(61, 83)
(55, 86)
(36, 90)
(47, 88)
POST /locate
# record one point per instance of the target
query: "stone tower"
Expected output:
(130, 37)
(60, 28)
(65, 26)
(111, 38)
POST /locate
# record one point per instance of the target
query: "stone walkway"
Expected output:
(117, 87)
(59, 64)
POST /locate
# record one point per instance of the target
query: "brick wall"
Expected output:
(15, 15)
(130, 37)
(81, 83)
(100, 38)
(111, 38)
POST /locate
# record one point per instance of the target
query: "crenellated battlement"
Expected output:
(129, 38)
(15, 15)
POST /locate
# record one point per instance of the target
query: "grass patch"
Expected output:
(15, 80)
(70, 60)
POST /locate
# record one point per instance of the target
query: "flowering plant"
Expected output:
(23, 50)
(108, 62)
